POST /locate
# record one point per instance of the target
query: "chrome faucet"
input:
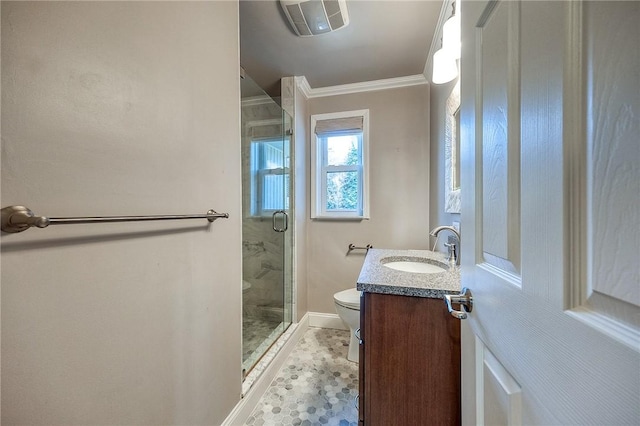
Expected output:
(454, 247)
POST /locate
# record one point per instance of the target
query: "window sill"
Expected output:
(340, 218)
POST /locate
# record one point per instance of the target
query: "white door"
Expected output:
(551, 212)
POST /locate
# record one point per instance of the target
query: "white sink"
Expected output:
(415, 266)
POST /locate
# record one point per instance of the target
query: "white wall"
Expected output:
(399, 190)
(115, 108)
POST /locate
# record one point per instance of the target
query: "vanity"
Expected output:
(409, 343)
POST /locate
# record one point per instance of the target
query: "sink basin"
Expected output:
(415, 265)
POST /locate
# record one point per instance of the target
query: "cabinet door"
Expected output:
(411, 361)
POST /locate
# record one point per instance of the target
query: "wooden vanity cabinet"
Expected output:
(409, 362)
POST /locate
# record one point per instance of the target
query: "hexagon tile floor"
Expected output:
(316, 385)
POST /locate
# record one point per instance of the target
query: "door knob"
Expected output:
(465, 299)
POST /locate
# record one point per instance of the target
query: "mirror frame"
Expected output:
(452, 157)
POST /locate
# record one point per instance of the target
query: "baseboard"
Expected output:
(322, 320)
(245, 406)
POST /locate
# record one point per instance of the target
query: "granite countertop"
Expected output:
(376, 278)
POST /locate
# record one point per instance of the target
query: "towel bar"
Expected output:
(20, 218)
(354, 247)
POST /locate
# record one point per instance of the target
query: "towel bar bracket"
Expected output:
(19, 218)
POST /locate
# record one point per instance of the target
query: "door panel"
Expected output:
(550, 214)
(501, 394)
(497, 79)
(610, 294)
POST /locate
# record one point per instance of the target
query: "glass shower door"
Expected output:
(287, 122)
(266, 152)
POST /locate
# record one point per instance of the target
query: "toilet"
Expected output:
(348, 308)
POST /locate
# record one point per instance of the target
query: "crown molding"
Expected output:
(366, 86)
(303, 85)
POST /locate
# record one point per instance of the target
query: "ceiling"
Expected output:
(384, 39)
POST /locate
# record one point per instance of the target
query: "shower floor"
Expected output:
(258, 334)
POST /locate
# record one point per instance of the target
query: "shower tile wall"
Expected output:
(262, 247)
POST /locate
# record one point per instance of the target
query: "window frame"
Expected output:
(320, 169)
(258, 175)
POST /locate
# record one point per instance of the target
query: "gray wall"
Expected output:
(121, 108)
(437, 215)
(399, 190)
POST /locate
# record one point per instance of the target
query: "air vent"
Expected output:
(314, 17)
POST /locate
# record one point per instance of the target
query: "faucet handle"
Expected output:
(453, 255)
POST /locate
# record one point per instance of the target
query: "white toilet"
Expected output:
(348, 308)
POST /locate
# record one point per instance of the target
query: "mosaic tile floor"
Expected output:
(316, 385)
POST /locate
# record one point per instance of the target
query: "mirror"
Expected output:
(452, 152)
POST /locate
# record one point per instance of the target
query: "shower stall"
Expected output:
(266, 223)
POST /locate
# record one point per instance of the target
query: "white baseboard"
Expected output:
(245, 406)
(322, 320)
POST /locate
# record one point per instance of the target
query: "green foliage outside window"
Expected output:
(342, 187)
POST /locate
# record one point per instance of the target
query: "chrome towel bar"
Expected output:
(20, 218)
(354, 247)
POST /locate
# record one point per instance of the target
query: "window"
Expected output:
(270, 172)
(339, 174)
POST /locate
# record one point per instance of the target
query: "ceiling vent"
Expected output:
(313, 17)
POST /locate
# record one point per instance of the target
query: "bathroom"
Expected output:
(141, 323)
